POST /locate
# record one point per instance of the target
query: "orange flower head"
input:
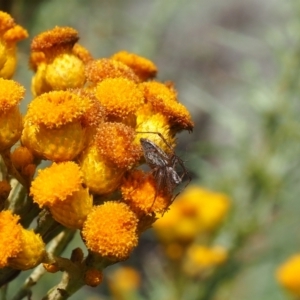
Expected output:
(60, 68)
(288, 274)
(139, 192)
(93, 277)
(53, 127)
(6, 22)
(21, 157)
(100, 69)
(10, 34)
(163, 99)
(51, 268)
(82, 53)
(55, 40)
(113, 240)
(96, 113)
(5, 189)
(20, 248)
(11, 124)
(59, 187)
(149, 124)
(142, 67)
(121, 98)
(100, 176)
(114, 142)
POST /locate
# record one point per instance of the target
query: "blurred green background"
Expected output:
(235, 65)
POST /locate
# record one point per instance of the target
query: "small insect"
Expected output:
(163, 165)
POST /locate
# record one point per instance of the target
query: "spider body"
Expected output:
(163, 165)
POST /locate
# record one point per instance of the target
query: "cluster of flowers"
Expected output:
(87, 117)
(187, 231)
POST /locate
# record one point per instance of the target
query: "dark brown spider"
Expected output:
(163, 166)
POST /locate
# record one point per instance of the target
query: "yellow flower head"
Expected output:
(57, 66)
(104, 68)
(11, 93)
(10, 34)
(143, 67)
(114, 142)
(139, 192)
(59, 187)
(124, 281)
(202, 258)
(53, 127)
(93, 277)
(207, 208)
(114, 240)
(121, 98)
(149, 124)
(194, 212)
(163, 99)
(20, 248)
(288, 274)
(100, 176)
(212, 207)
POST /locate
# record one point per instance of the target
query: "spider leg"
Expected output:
(160, 135)
(158, 175)
(177, 160)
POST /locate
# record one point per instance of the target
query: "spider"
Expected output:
(163, 166)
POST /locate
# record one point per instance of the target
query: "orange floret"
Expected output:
(82, 53)
(57, 108)
(93, 277)
(5, 189)
(59, 187)
(6, 21)
(51, 268)
(143, 67)
(57, 37)
(11, 93)
(96, 114)
(56, 183)
(11, 123)
(120, 97)
(114, 142)
(60, 68)
(15, 34)
(104, 68)
(10, 236)
(139, 191)
(21, 157)
(20, 249)
(36, 59)
(53, 127)
(163, 99)
(112, 239)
